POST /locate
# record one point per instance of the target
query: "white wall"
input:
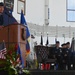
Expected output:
(58, 13)
(17, 16)
(34, 11)
(1, 0)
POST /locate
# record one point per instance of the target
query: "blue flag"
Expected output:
(23, 21)
(27, 47)
(21, 59)
(8, 18)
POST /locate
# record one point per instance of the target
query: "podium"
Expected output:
(14, 34)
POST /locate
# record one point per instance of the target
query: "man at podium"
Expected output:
(5, 17)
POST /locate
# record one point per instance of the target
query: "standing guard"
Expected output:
(57, 55)
(69, 55)
(73, 59)
(64, 56)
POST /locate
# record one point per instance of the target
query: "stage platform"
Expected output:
(45, 72)
(52, 72)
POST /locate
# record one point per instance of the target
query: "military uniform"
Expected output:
(64, 60)
(1, 20)
(69, 59)
(69, 55)
(73, 59)
(58, 56)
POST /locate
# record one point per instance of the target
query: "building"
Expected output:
(53, 17)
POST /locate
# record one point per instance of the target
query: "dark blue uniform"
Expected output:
(1, 19)
(58, 56)
(69, 59)
(73, 59)
(1, 14)
(63, 58)
(66, 58)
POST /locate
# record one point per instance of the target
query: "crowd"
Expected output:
(64, 55)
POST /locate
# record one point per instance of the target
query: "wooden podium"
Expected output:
(14, 34)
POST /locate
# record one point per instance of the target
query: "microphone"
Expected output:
(6, 11)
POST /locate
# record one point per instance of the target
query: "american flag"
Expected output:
(2, 51)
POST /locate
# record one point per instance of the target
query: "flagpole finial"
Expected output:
(22, 10)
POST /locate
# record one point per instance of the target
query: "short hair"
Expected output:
(63, 44)
(1, 4)
(67, 43)
(57, 42)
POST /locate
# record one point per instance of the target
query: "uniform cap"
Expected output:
(1, 4)
(63, 44)
(57, 42)
(67, 43)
